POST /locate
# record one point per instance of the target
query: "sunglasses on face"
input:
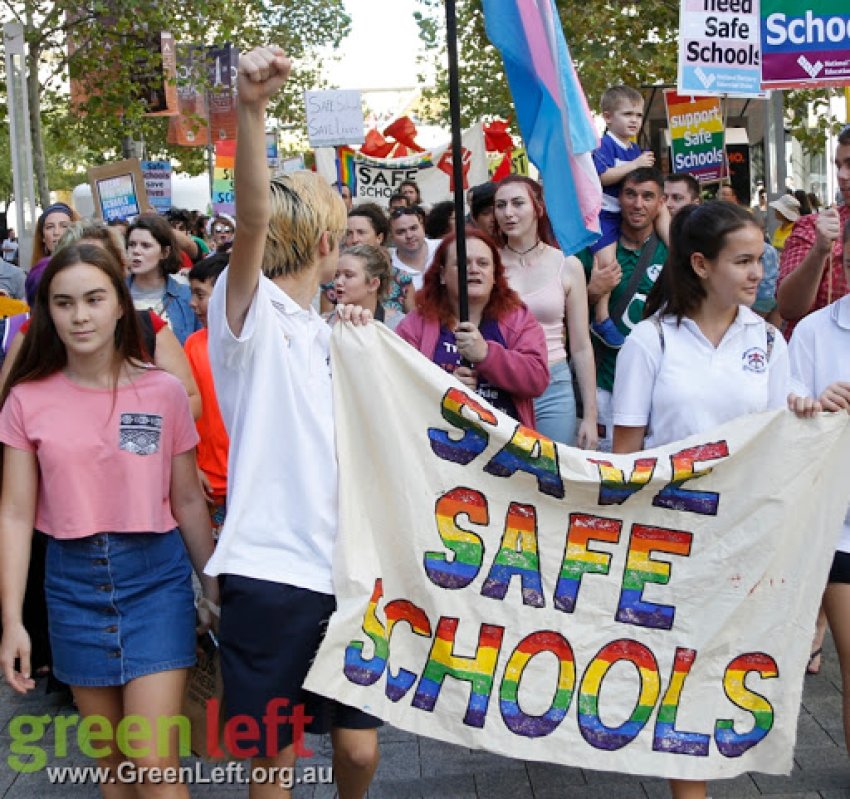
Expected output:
(222, 229)
(405, 210)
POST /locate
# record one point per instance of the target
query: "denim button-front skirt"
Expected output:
(120, 606)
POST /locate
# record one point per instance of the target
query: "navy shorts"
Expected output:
(840, 571)
(269, 634)
(609, 225)
(119, 606)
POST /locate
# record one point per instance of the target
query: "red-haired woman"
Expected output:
(501, 351)
(554, 288)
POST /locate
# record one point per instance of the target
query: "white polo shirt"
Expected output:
(692, 386)
(273, 384)
(418, 277)
(820, 355)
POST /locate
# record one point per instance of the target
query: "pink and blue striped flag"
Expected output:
(552, 112)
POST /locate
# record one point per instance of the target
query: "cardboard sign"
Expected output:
(334, 117)
(697, 133)
(805, 43)
(646, 614)
(719, 48)
(118, 190)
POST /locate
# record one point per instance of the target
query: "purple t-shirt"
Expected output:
(447, 357)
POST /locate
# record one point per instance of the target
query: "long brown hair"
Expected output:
(43, 353)
(432, 300)
(678, 291)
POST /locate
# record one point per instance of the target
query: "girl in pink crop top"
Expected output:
(553, 287)
(100, 456)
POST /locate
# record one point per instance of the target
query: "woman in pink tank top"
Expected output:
(553, 287)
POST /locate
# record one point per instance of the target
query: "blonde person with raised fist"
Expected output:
(269, 352)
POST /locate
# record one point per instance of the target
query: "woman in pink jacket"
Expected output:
(500, 353)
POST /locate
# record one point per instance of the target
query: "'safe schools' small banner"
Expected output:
(377, 179)
(646, 613)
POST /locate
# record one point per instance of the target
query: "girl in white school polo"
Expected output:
(703, 357)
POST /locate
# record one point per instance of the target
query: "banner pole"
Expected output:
(457, 159)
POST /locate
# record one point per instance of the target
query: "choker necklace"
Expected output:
(523, 253)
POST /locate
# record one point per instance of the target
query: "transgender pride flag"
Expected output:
(552, 111)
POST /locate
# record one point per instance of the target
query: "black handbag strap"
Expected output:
(646, 253)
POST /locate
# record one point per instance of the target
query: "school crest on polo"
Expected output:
(140, 433)
(755, 360)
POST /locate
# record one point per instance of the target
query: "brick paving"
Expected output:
(413, 767)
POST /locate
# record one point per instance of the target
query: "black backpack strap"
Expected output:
(645, 258)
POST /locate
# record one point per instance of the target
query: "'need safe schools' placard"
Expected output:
(719, 48)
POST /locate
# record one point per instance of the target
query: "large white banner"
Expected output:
(647, 613)
(377, 179)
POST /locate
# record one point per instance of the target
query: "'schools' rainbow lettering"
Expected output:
(530, 451)
(517, 556)
(579, 559)
(667, 738)
(478, 670)
(593, 730)
(367, 671)
(401, 610)
(642, 569)
(467, 547)
(474, 440)
(515, 719)
(729, 742)
(613, 488)
(674, 497)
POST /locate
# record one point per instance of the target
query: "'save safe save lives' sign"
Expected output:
(334, 117)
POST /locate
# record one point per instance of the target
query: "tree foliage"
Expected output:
(112, 49)
(610, 41)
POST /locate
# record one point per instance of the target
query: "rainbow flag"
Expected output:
(223, 197)
(345, 172)
(552, 113)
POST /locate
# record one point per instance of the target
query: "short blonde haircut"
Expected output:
(91, 230)
(303, 207)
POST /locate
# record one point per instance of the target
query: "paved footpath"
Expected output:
(413, 767)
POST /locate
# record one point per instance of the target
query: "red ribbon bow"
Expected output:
(402, 130)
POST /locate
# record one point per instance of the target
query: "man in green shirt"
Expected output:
(641, 199)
